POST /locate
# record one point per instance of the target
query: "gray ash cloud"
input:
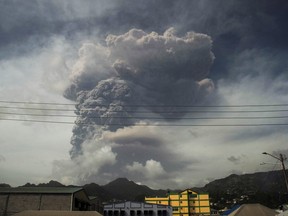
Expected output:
(135, 73)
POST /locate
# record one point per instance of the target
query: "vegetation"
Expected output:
(266, 188)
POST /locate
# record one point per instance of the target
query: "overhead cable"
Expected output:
(148, 117)
(147, 125)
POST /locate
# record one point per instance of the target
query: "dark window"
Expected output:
(76, 203)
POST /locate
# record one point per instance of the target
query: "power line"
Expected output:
(165, 111)
(34, 114)
(39, 121)
(148, 105)
(160, 112)
(192, 111)
(33, 108)
(149, 117)
(144, 124)
(30, 102)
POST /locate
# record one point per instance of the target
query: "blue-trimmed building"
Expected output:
(136, 209)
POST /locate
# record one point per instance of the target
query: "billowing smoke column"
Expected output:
(133, 72)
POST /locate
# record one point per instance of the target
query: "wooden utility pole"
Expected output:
(281, 159)
(284, 170)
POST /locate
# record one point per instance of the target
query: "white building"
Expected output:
(136, 209)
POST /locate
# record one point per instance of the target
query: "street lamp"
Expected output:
(281, 159)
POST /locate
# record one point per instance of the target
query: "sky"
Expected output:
(169, 94)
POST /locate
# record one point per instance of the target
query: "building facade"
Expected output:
(14, 200)
(185, 203)
(136, 209)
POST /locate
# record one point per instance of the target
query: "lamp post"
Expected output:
(281, 159)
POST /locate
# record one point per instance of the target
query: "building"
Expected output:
(185, 203)
(136, 209)
(14, 200)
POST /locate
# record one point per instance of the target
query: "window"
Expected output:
(77, 203)
(175, 209)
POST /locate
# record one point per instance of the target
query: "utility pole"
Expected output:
(281, 158)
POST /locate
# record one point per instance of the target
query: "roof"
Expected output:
(252, 210)
(93, 197)
(229, 211)
(57, 213)
(47, 190)
(194, 191)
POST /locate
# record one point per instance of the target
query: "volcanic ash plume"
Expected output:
(133, 72)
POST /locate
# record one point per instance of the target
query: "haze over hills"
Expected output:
(267, 188)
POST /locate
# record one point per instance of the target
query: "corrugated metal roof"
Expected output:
(57, 213)
(49, 190)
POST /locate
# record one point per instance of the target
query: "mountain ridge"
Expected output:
(267, 188)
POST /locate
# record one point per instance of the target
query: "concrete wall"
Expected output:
(56, 202)
(13, 203)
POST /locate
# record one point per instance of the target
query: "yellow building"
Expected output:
(185, 203)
